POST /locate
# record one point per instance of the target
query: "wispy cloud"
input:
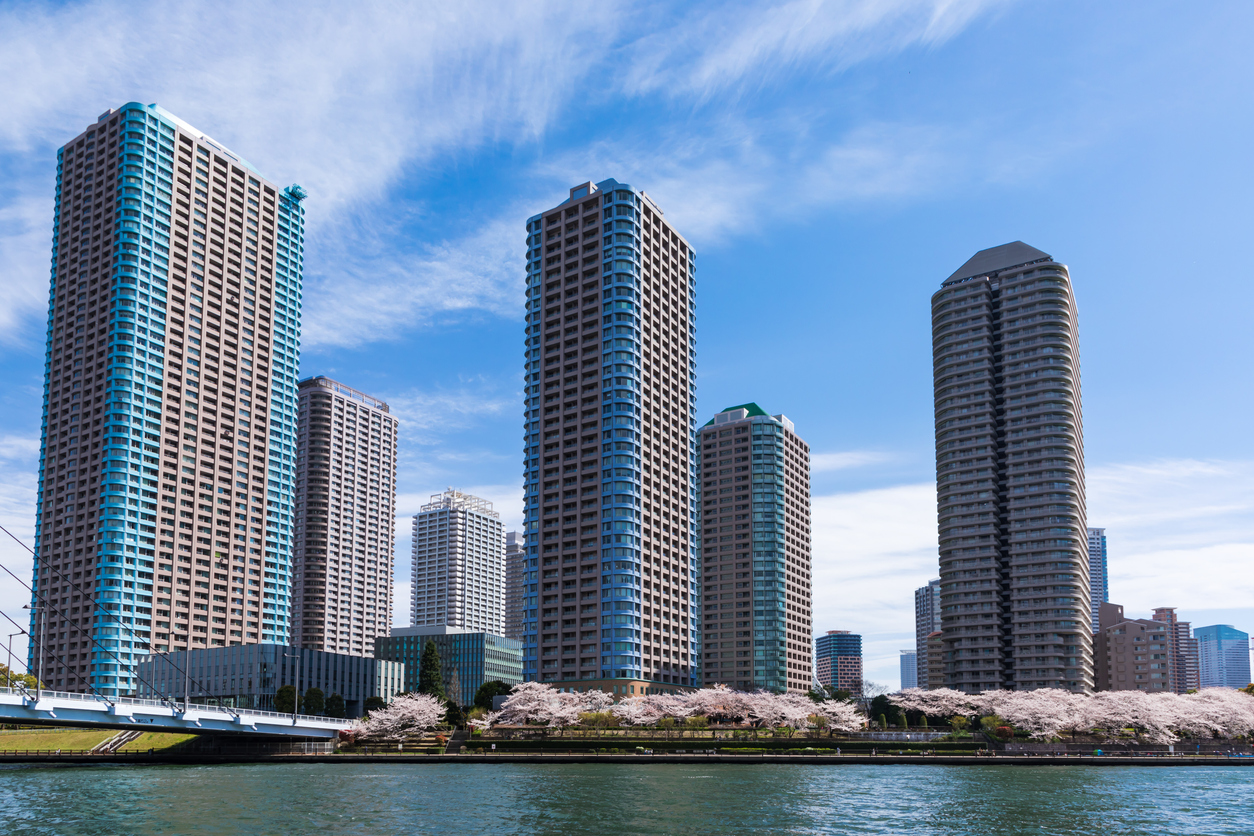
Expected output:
(1180, 532)
(743, 45)
(385, 294)
(847, 460)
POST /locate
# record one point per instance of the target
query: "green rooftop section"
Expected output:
(752, 408)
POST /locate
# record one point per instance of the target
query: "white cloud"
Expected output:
(1180, 533)
(378, 297)
(845, 460)
(745, 46)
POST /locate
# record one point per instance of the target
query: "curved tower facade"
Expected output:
(1015, 595)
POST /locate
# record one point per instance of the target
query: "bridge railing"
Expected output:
(228, 710)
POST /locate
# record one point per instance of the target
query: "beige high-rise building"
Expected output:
(753, 510)
(610, 413)
(1014, 561)
(345, 518)
(165, 499)
(458, 564)
(515, 585)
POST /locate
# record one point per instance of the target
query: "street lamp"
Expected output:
(9, 665)
(42, 629)
(296, 698)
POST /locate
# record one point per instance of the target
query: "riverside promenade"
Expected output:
(83, 758)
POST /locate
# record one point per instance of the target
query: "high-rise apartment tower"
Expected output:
(1014, 568)
(927, 620)
(1099, 579)
(753, 515)
(515, 585)
(458, 574)
(610, 379)
(345, 518)
(169, 416)
(838, 660)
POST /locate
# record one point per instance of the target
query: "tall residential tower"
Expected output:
(345, 518)
(1015, 611)
(753, 514)
(927, 620)
(608, 461)
(169, 416)
(1099, 579)
(458, 570)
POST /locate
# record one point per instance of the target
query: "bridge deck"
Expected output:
(58, 708)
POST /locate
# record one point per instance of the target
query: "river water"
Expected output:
(299, 799)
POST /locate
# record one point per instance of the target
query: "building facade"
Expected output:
(1015, 600)
(909, 669)
(927, 620)
(458, 574)
(1132, 654)
(467, 658)
(753, 518)
(610, 374)
(248, 676)
(838, 660)
(1099, 577)
(1223, 656)
(515, 585)
(345, 518)
(164, 510)
(1184, 674)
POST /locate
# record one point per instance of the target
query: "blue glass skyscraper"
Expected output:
(611, 595)
(1223, 656)
(168, 454)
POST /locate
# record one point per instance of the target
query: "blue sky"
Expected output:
(830, 162)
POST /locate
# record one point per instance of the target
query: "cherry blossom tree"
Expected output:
(407, 713)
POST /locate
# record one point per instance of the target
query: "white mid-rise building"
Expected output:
(458, 564)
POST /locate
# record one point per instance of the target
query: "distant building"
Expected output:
(927, 620)
(909, 669)
(936, 660)
(1183, 650)
(1099, 579)
(247, 676)
(838, 660)
(1223, 656)
(515, 586)
(458, 575)
(467, 658)
(1132, 654)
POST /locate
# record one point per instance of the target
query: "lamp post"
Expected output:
(296, 699)
(41, 620)
(9, 664)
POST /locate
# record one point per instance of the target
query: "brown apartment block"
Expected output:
(610, 377)
(753, 509)
(1132, 654)
(345, 518)
(165, 496)
(1184, 671)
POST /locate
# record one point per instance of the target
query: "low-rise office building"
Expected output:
(248, 676)
(468, 658)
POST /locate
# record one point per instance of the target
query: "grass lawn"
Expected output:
(53, 738)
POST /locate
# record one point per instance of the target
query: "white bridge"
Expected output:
(58, 708)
